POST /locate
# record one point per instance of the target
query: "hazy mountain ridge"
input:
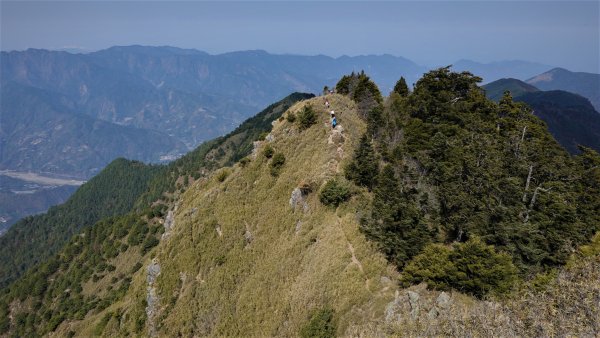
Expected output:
(584, 84)
(188, 94)
(493, 71)
(42, 133)
(495, 90)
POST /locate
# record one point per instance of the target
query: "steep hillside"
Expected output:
(226, 239)
(571, 119)
(250, 253)
(72, 114)
(584, 84)
(121, 185)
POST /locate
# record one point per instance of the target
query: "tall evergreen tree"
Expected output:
(364, 168)
(401, 87)
(395, 220)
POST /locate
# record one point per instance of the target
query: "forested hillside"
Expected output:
(584, 84)
(34, 239)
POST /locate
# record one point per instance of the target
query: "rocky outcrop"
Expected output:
(336, 137)
(152, 299)
(298, 200)
(413, 304)
(255, 147)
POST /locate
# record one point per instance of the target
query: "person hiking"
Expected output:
(327, 104)
(333, 120)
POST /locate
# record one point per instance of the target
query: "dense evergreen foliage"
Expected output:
(276, 164)
(571, 118)
(458, 166)
(364, 166)
(320, 325)
(335, 192)
(33, 239)
(306, 117)
(360, 88)
(471, 267)
(57, 290)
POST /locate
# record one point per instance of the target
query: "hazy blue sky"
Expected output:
(558, 33)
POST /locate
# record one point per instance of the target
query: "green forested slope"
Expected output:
(34, 239)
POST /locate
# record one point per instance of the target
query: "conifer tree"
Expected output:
(375, 121)
(401, 87)
(363, 169)
(394, 221)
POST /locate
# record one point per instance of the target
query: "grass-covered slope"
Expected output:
(242, 260)
(34, 239)
(216, 153)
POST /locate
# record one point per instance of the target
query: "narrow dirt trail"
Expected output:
(353, 260)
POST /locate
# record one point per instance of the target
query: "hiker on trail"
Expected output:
(327, 104)
(333, 120)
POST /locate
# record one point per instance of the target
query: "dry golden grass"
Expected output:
(272, 266)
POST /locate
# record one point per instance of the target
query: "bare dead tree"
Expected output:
(532, 202)
(527, 184)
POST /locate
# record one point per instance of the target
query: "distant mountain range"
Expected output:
(571, 118)
(172, 97)
(584, 84)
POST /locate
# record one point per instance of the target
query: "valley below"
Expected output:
(26, 193)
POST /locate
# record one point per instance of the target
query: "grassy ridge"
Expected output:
(241, 261)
